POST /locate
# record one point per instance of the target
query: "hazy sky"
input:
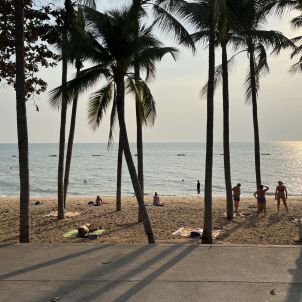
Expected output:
(181, 113)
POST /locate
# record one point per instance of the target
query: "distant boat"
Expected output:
(221, 154)
(181, 154)
(265, 154)
(52, 155)
(95, 155)
(135, 154)
(14, 156)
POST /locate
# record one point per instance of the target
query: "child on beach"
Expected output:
(236, 197)
(281, 193)
(261, 200)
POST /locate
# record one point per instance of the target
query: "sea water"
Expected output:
(169, 168)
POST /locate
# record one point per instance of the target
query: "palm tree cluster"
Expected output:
(122, 51)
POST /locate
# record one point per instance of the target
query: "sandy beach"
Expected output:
(177, 212)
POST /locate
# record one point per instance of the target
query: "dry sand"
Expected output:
(178, 211)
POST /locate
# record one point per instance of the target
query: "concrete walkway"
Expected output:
(145, 273)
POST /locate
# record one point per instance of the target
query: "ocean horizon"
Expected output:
(171, 169)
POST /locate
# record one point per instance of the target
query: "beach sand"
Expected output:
(177, 212)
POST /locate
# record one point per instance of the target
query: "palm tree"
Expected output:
(22, 124)
(113, 46)
(255, 42)
(68, 20)
(165, 21)
(223, 34)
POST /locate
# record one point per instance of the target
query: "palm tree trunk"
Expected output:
(71, 137)
(139, 143)
(22, 124)
(119, 175)
(132, 171)
(255, 118)
(226, 133)
(207, 228)
(61, 214)
(67, 24)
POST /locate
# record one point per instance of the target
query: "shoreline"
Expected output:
(177, 212)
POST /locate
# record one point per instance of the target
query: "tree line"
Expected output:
(122, 51)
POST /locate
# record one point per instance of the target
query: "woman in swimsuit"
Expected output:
(261, 200)
(281, 193)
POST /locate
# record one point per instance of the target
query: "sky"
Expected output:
(181, 113)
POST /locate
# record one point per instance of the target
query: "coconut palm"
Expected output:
(22, 124)
(112, 45)
(68, 19)
(201, 14)
(255, 41)
(166, 22)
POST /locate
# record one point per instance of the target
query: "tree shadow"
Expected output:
(155, 274)
(52, 262)
(294, 293)
(109, 285)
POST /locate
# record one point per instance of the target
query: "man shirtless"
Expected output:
(261, 200)
(236, 197)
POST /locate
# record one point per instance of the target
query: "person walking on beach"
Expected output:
(198, 187)
(261, 200)
(236, 197)
(281, 193)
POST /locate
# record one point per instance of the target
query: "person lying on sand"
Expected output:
(87, 228)
(236, 197)
(261, 200)
(98, 202)
(281, 193)
(156, 200)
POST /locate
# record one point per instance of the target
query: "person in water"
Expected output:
(261, 200)
(236, 197)
(198, 187)
(156, 201)
(281, 194)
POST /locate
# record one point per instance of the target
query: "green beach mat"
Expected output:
(73, 233)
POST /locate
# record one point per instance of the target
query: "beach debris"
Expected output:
(273, 292)
(69, 214)
(55, 299)
(106, 262)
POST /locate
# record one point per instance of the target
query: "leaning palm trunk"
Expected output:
(207, 229)
(22, 124)
(132, 171)
(71, 137)
(255, 118)
(226, 133)
(119, 175)
(139, 144)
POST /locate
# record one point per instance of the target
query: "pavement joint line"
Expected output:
(157, 281)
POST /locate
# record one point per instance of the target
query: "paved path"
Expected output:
(149, 273)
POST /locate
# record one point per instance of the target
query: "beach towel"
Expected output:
(67, 214)
(186, 232)
(72, 234)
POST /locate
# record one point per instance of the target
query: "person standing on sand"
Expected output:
(236, 197)
(261, 200)
(281, 193)
(198, 187)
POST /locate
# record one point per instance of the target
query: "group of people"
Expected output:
(280, 194)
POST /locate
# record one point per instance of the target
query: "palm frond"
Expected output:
(84, 81)
(98, 104)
